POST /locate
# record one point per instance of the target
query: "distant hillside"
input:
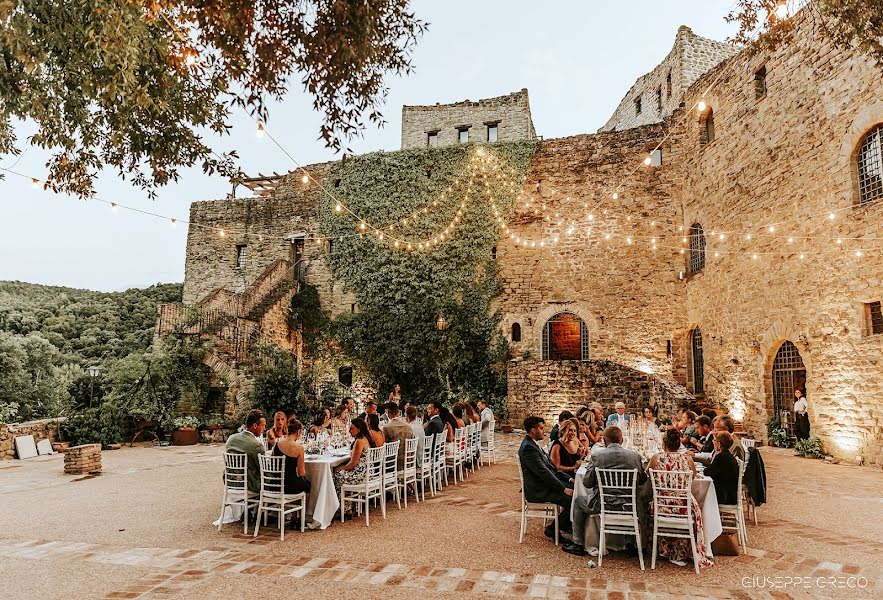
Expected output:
(83, 325)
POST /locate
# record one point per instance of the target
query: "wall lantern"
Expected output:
(440, 323)
(93, 371)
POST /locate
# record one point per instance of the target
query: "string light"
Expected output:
(260, 131)
(221, 232)
(35, 183)
(173, 222)
(305, 179)
(190, 57)
(113, 206)
(701, 106)
(648, 160)
(782, 11)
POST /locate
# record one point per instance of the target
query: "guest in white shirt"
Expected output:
(416, 426)
(487, 417)
(801, 417)
(619, 418)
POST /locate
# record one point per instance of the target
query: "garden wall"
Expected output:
(41, 430)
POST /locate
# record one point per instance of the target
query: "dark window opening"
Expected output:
(760, 83)
(659, 99)
(707, 133)
(492, 132)
(668, 348)
(432, 139)
(668, 85)
(874, 316)
(516, 332)
(494, 253)
(463, 135)
(345, 376)
(637, 106)
(697, 248)
(870, 166)
(241, 254)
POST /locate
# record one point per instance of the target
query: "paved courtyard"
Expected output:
(142, 530)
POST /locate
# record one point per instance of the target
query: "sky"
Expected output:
(577, 59)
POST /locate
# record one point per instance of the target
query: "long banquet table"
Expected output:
(323, 501)
(702, 489)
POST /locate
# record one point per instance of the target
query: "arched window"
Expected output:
(516, 332)
(706, 134)
(697, 248)
(565, 337)
(870, 166)
(697, 362)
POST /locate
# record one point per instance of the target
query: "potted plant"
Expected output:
(185, 433)
(214, 422)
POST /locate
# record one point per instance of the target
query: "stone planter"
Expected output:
(60, 446)
(185, 436)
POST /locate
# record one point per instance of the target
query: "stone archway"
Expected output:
(592, 324)
(770, 344)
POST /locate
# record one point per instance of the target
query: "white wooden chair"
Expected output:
(458, 454)
(672, 509)
(236, 492)
(391, 472)
(487, 449)
(273, 497)
(408, 474)
(425, 466)
(468, 449)
(535, 510)
(619, 507)
(475, 438)
(438, 450)
(736, 511)
(361, 494)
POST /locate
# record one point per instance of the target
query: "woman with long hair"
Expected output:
(374, 431)
(678, 550)
(322, 422)
(295, 469)
(449, 421)
(457, 411)
(567, 453)
(353, 472)
(279, 429)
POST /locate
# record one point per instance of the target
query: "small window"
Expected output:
(656, 158)
(494, 253)
(241, 254)
(637, 106)
(874, 318)
(697, 248)
(432, 139)
(659, 99)
(463, 135)
(668, 348)
(492, 132)
(330, 246)
(760, 83)
(668, 85)
(516, 331)
(706, 135)
(870, 166)
(352, 309)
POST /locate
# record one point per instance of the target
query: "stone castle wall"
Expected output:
(511, 113)
(788, 159)
(690, 57)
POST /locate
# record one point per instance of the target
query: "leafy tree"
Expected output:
(278, 384)
(131, 85)
(849, 23)
(28, 377)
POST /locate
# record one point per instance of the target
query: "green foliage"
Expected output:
(278, 385)
(109, 83)
(776, 434)
(306, 315)
(98, 425)
(810, 448)
(29, 378)
(186, 421)
(401, 293)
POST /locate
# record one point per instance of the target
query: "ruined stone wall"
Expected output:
(511, 113)
(265, 225)
(788, 160)
(45, 429)
(628, 295)
(545, 388)
(690, 57)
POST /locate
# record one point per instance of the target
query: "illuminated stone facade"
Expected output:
(776, 146)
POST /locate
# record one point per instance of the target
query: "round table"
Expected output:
(322, 501)
(702, 489)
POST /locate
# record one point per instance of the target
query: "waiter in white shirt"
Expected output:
(487, 417)
(801, 417)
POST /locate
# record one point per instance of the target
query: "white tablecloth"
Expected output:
(322, 501)
(702, 489)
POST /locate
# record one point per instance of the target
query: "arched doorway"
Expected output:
(788, 374)
(565, 337)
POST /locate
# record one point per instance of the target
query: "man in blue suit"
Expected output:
(619, 418)
(542, 481)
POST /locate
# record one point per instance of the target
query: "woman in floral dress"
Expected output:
(678, 550)
(353, 472)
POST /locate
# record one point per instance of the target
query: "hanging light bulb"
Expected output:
(221, 232)
(754, 257)
(173, 222)
(35, 183)
(832, 216)
(701, 106)
(362, 226)
(396, 244)
(606, 236)
(113, 206)
(721, 237)
(628, 240)
(748, 237)
(305, 179)
(648, 160)
(858, 253)
(684, 240)
(771, 228)
(800, 256)
(717, 254)
(782, 11)
(615, 196)
(790, 240)
(338, 207)
(190, 57)
(260, 131)
(839, 241)
(591, 216)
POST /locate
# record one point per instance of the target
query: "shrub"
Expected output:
(776, 434)
(278, 385)
(186, 421)
(102, 424)
(811, 448)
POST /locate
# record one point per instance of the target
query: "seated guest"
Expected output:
(247, 442)
(649, 417)
(434, 423)
(710, 413)
(457, 411)
(279, 429)
(563, 416)
(726, 423)
(618, 418)
(354, 471)
(321, 422)
(678, 550)
(587, 437)
(599, 421)
(474, 414)
(487, 415)
(370, 409)
(341, 418)
(613, 456)
(373, 421)
(702, 441)
(295, 468)
(650, 426)
(397, 430)
(542, 481)
(416, 426)
(566, 452)
(724, 469)
(687, 425)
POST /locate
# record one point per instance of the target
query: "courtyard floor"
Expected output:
(142, 530)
